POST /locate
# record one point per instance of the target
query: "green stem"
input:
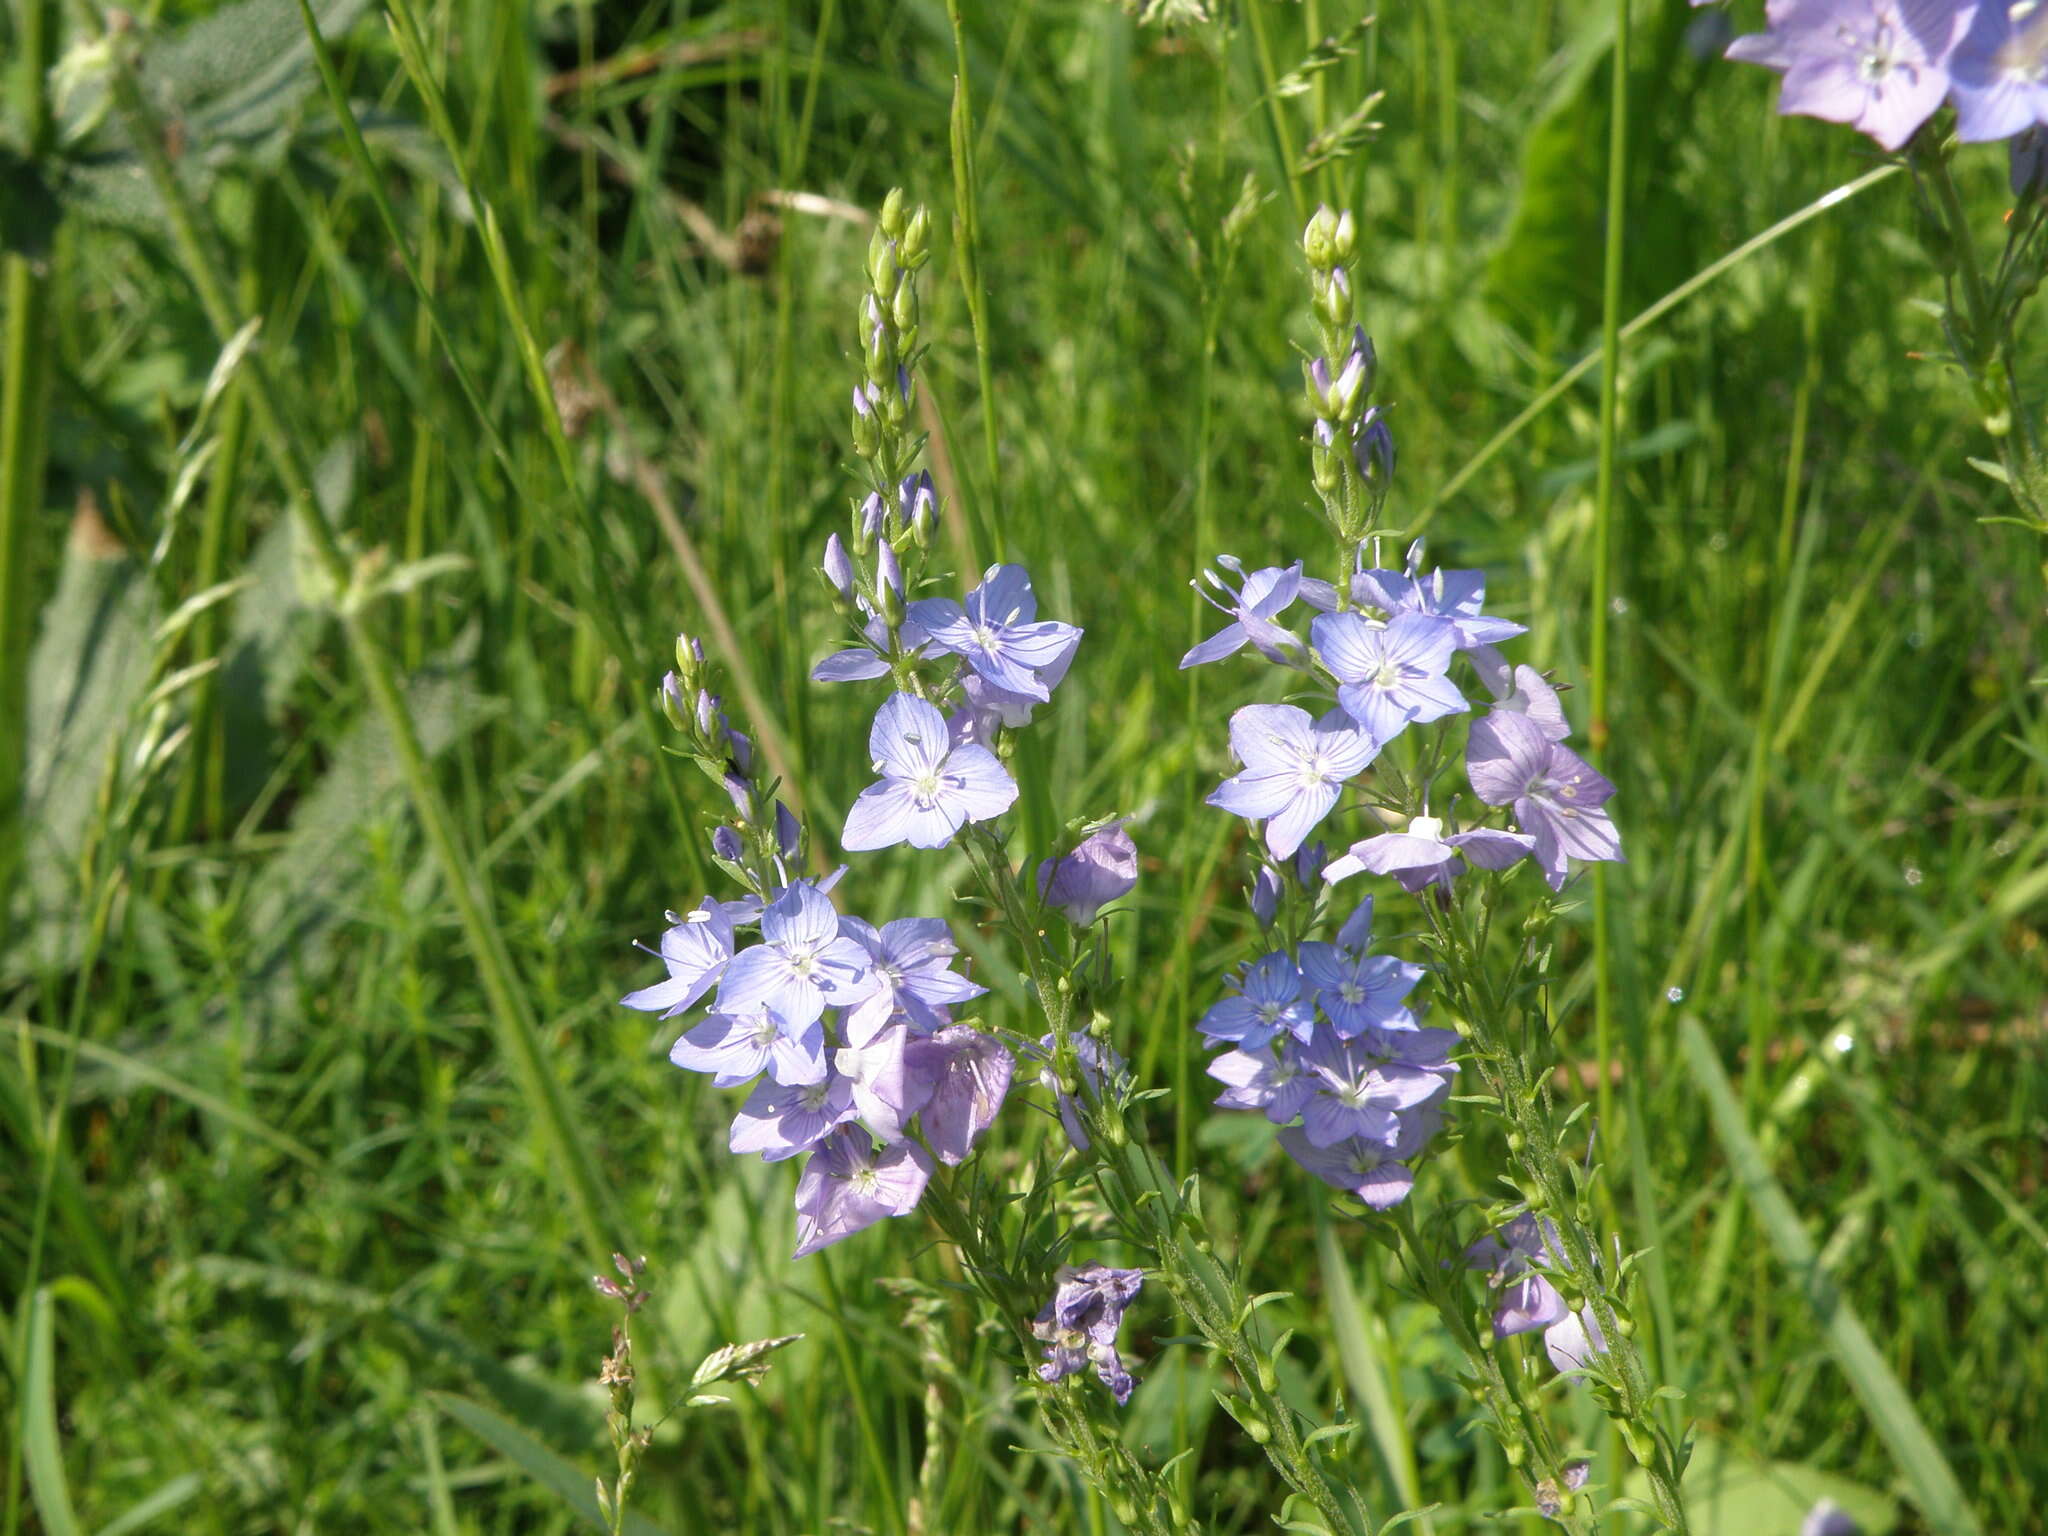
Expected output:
(24, 407)
(518, 1034)
(967, 243)
(1603, 530)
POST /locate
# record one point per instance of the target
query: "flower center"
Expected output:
(1388, 675)
(926, 787)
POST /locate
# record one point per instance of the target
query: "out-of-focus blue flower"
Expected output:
(1391, 675)
(1528, 1300)
(1369, 1170)
(1881, 66)
(1556, 795)
(930, 787)
(848, 1185)
(1079, 1324)
(995, 631)
(2000, 71)
(1294, 769)
(1102, 868)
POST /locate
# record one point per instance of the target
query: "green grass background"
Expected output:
(293, 1206)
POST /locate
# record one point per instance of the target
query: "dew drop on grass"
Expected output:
(1675, 995)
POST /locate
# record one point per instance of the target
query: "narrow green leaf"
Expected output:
(41, 1448)
(570, 1484)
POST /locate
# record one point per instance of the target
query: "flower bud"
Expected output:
(883, 272)
(903, 310)
(895, 212)
(838, 568)
(789, 834)
(868, 523)
(867, 436)
(1344, 239)
(689, 659)
(889, 586)
(914, 246)
(725, 844)
(1319, 240)
(671, 700)
(1265, 896)
(1332, 301)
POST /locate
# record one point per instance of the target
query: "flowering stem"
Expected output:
(1558, 1191)
(967, 247)
(1984, 351)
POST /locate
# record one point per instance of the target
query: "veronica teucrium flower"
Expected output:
(1390, 676)
(910, 976)
(1270, 1000)
(1361, 1090)
(1357, 991)
(1528, 1300)
(969, 1075)
(1270, 1079)
(1881, 66)
(2000, 71)
(1522, 689)
(1253, 609)
(1556, 795)
(736, 1048)
(849, 1184)
(695, 950)
(1294, 769)
(1456, 597)
(1421, 855)
(800, 963)
(1079, 1324)
(996, 633)
(930, 787)
(887, 1087)
(780, 1120)
(1366, 1169)
(1103, 867)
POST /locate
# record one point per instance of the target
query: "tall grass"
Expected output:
(307, 1003)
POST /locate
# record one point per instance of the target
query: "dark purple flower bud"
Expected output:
(1373, 448)
(920, 505)
(969, 1074)
(1079, 1325)
(1266, 895)
(839, 568)
(725, 843)
(1102, 868)
(789, 836)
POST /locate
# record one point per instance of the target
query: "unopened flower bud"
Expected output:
(1319, 240)
(707, 714)
(889, 586)
(689, 659)
(1332, 301)
(670, 698)
(914, 246)
(1265, 896)
(725, 844)
(903, 310)
(883, 272)
(895, 213)
(1344, 238)
(838, 568)
(867, 436)
(869, 522)
(789, 833)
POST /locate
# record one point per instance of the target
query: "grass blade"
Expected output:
(41, 1448)
(1926, 1470)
